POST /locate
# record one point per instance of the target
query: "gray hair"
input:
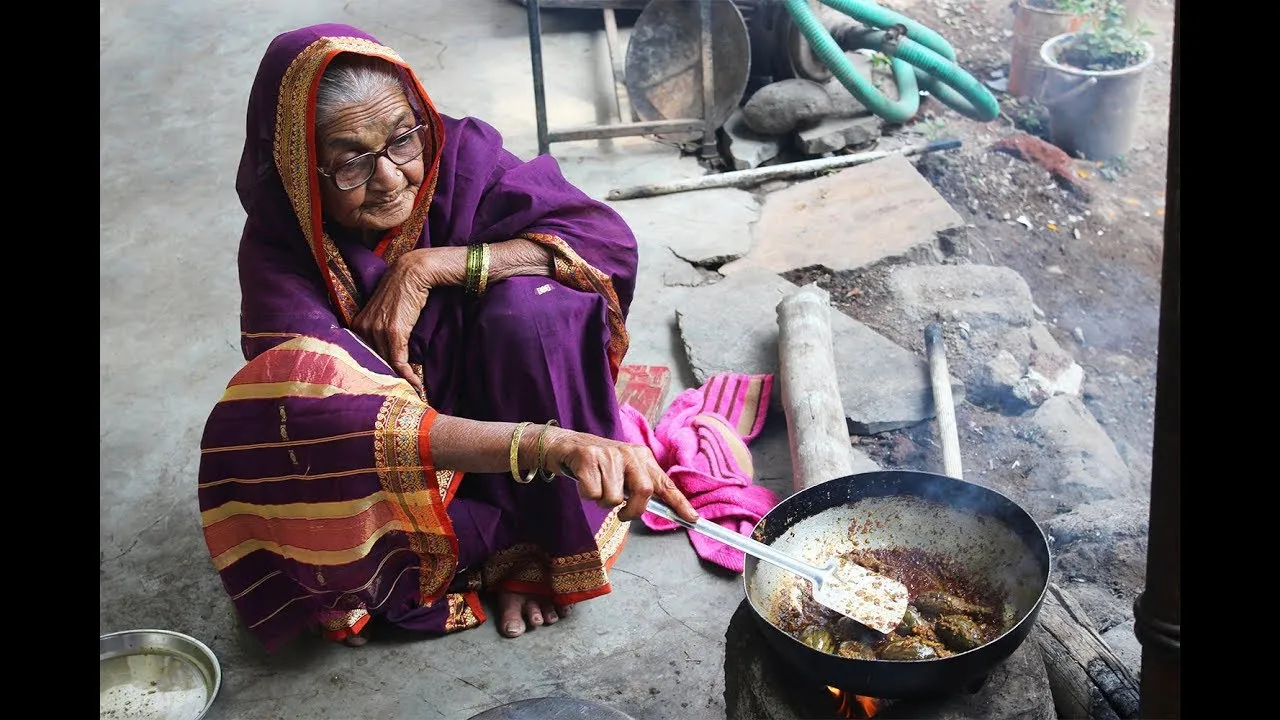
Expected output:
(351, 79)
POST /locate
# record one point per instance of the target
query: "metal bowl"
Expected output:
(156, 675)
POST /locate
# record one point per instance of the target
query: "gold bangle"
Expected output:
(483, 282)
(515, 454)
(546, 475)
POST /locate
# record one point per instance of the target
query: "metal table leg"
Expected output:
(539, 88)
(625, 128)
(708, 83)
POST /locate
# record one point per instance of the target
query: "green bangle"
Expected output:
(474, 256)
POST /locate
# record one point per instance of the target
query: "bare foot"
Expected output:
(518, 612)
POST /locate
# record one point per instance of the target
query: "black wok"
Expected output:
(986, 533)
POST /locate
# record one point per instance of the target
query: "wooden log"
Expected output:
(816, 427)
(943, 404)
(1086, 678)
(616, 61)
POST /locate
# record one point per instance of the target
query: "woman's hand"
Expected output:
(387, 319)
(611, 473)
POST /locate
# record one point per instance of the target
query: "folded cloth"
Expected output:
(701, 443)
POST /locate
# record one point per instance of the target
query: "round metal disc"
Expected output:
(664, 61)
(551, 708)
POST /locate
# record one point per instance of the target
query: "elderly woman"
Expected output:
(432, 329)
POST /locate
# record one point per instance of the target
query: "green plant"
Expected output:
(1075, 7)
(1029, 116)
(1105, 43)
(1113, 169)
(931, 128)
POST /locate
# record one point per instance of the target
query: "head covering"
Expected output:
(474, 191)
(277, 182)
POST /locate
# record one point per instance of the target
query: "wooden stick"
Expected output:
(755, 176)
(625, 113)
(943, 404)
(1085, 676)
(816, 427)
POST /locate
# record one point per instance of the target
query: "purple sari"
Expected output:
(320, 503)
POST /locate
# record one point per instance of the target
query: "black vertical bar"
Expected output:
(535, 57)
(1158, 610)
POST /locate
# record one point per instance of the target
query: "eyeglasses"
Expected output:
(400, 150)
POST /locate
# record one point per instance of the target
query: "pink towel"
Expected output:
(701, 443)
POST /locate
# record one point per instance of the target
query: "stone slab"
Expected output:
(1080, 462)
(748, 148)
(984, 296)
(848, 220)
(832, 134)
(732, 326)
(682, 223)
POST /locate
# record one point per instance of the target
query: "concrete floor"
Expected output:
(174, 79)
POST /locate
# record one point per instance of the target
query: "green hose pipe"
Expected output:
(952, 99)
(878, 41)
(878, 16)
(930, 53)
(825, 47)
(951, 85)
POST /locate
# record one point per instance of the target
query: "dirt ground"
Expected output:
(1093, 266)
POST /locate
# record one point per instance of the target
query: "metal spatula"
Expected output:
(874, 600)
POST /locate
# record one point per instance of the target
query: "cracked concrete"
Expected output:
(174, 78)
(691, 233)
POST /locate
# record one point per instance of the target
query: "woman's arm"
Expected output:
(481, 447)
(512, 258)
(607, 471)
(388, 318)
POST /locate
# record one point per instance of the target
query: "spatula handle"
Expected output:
(738, 541)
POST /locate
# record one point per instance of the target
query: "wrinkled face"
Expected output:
(387, 199)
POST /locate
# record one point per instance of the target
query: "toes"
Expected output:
(355, 640)
(549, 614)
(510, 623)
(532, 612)
(564, 610)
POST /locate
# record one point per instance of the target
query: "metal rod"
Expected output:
(755, 176)
(708, 78)
(539, 89)
(1157, 612)
(596, 132)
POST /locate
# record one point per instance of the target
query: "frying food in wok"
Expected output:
(948, 613)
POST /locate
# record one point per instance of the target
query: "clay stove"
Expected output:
(761, 685)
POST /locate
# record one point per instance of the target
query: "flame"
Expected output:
(855, 707)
